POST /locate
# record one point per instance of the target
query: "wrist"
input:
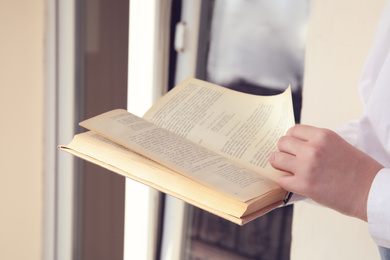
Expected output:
(370, 173)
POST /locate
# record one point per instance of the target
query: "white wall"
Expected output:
(21, 131)
(340, 34)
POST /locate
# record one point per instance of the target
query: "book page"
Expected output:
(181, 155)
(241, 126)
(106, 153)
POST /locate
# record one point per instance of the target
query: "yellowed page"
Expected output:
(241, 126)
(106, 153)
(181, 155)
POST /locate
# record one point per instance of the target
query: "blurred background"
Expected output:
(64, 61)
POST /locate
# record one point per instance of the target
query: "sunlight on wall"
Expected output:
(21, 112)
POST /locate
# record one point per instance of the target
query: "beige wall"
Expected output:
(21, 114)
(339, 37)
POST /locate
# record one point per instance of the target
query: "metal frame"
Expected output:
(50, 129)
(175, 214)
(60, 118)
(148, 63)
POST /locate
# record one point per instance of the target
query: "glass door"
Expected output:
(251, 46)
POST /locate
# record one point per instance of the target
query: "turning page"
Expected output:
(241, 126)
(181, 155)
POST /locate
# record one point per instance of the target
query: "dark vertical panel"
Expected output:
(175, 18)
(103, 76)
(267, 237)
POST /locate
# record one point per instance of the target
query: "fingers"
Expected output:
(286, 158)
(282, 161)
(303, 132)
(293, 150)
(291, 145)
(287, 163)
(289, 183)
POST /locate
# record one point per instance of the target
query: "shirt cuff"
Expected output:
(378, 208)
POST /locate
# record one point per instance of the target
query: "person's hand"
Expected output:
(325, 168)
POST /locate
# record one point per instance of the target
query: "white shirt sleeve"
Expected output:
(373, 134)
(297, 197)
(378, 209)
(349, 132)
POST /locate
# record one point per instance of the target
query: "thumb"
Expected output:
(288, 183)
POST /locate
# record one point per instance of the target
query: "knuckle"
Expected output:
(324, 136)
(314, 154)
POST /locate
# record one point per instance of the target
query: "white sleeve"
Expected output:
(349, 132)
(378, 208)
(296, 197)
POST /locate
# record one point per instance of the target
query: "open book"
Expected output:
(202, 143)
